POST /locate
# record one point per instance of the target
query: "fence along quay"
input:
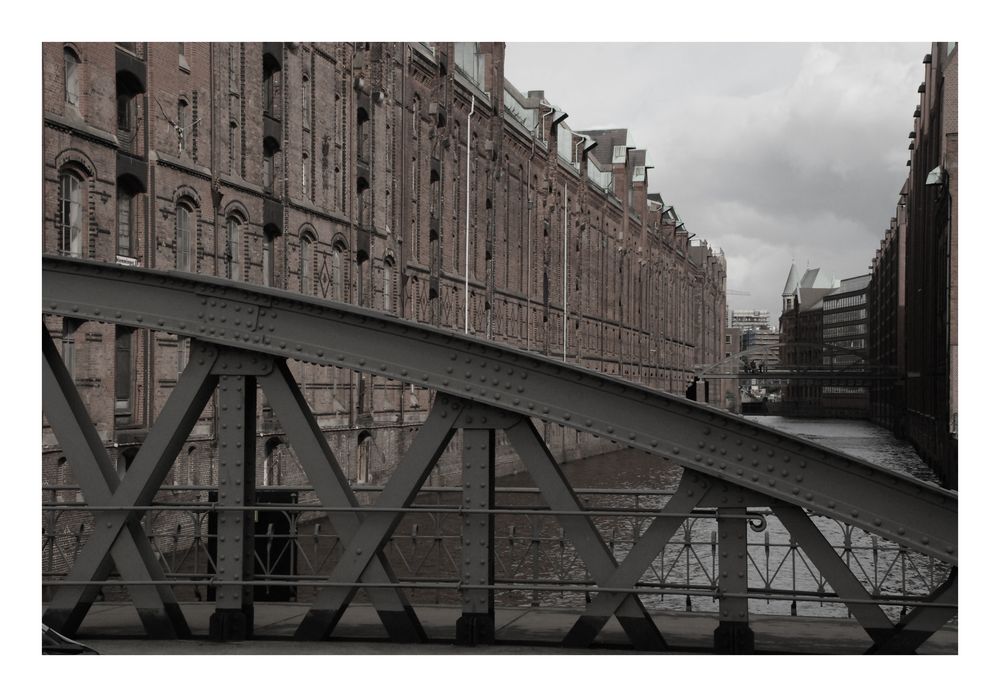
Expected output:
(732, 468)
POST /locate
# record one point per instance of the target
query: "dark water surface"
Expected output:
(690, 559)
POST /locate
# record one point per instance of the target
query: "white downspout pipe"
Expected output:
(565, 270)
(468, 194)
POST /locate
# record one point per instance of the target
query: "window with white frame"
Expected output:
(182, 236)
(231, 253)
(70, 214)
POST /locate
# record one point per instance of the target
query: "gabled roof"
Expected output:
(607, 139)
(818, 278)
(792, 282)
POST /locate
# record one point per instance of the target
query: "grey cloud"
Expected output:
(769, 151)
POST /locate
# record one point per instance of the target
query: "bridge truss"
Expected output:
(243, 337)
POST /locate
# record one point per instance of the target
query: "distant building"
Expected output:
(801, 334)
(845, 334)
(750, 319)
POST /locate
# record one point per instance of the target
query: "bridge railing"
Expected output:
(296, 548)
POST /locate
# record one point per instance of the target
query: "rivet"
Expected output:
(854, 513)
(770, 482)
(924, 540)
(901, 531)
(676, 451)
(809, 497)
(739, 471)
(878, 522)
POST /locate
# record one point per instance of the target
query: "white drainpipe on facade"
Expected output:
(468, 193)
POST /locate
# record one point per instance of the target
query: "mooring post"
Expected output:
(233, 616)
(477, 623)
(733, 635)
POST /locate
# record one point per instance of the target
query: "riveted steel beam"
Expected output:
(234, 566)
(381, 519)
(580, 530)
(477, 623)
(691, 490)
(790, 469)
(733, 635)
(137, 489)
(333, 490)
(131, 552)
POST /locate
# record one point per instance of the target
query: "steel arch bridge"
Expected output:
(243, 337)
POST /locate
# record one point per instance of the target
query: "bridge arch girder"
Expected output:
(698, 437)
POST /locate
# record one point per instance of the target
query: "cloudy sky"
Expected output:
(771, 152)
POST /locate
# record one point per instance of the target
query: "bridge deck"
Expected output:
(114, 628)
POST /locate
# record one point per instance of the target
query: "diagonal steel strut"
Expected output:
(136, 490)
(333, 490)
(642, 554)
(380, 520)
(131, 552)
(596, 556)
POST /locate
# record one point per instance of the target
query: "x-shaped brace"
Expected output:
(130, 552)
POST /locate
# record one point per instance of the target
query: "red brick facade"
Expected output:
(340, 171)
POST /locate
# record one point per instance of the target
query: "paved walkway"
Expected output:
(114, 628)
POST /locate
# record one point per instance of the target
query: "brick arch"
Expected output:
(186, 192)
(71, 158)
(236, 208)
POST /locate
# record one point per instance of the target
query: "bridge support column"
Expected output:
(733, 635)
(477, 623)
(233, 616)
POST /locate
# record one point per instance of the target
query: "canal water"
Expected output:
(690, 559)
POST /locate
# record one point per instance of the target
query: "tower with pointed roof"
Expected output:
(788, 294)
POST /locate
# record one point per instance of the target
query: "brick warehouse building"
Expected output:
(914, 306)
(339, 171)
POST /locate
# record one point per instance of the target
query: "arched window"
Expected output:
(337, 272)
(128, 189)
(233, 147)
(182, 236)
(388, 285)
(272, 85)
(71, 65)
(268, 261)
(182, 125)
(70, 214)
(306, 264)
(306, 103)
(305, 175)
(124, 371)
(231, 253)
